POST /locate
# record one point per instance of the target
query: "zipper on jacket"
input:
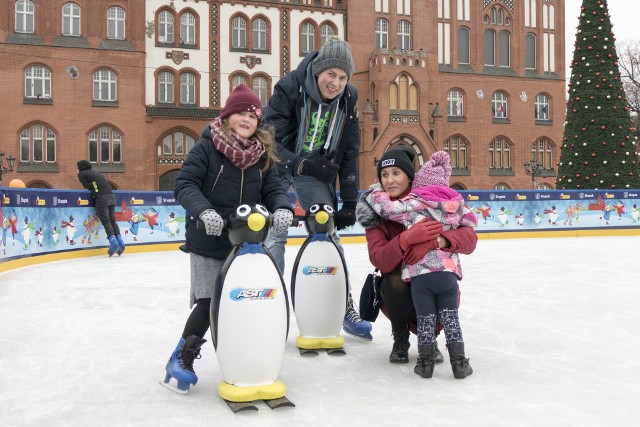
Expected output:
(216, 181)
(241, 187)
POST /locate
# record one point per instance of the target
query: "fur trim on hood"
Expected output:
(365, 215)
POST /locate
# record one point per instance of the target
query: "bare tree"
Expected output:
(629, 63)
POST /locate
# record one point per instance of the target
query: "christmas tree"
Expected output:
(599, 149)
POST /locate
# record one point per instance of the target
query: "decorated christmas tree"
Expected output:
(599, 149)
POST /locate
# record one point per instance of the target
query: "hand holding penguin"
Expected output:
(212, 221)
(281, 220)
(346, 216)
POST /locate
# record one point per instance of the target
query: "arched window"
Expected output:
(259, 34)
(404, 35)
(326, 31)
(455, 103)
(530, 51)
(24, 16)
(382, 34)
(187, 89)
(542, 153)
(37, 145)
(543, 186)
(499, 105)
(165, 88)
(403, 94)
(456, 146)
(505, 48)
(176, 144)
(501, 187)
(187, 29)
(542, 107)
(308, 38)
(489, 48)
(464, 52)
(105, 145)
(37, 82)
(71, 19)
(499, 154)
(165, 27)
(260, 89)
(239, 33)
(115, 23)
(236, 80)
(104, 85)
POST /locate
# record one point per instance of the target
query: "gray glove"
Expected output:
(213, 222)
(281, 220)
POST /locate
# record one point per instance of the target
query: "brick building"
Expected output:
(131, 84)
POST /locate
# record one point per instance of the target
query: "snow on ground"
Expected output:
(550, 325)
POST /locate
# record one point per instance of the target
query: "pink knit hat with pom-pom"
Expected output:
(436, 171)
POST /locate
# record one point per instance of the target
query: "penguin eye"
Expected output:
(243, 210)
(262, 210)
(315, 208)
(328, 208)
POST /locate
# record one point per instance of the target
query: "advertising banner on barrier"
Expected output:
(39, 221)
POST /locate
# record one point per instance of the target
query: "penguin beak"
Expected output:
(256, 222)
(322, 217)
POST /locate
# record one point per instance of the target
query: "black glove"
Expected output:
(323, 169)
(346, 216)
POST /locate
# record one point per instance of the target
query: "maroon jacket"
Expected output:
(385, 253)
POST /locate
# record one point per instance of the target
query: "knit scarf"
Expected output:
(240, 151)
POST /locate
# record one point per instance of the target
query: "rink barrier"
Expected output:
(40, 225)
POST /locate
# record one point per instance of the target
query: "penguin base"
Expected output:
(319, 343)
(234, 393)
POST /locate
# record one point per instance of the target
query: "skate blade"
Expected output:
(367, 337)
(173, 387)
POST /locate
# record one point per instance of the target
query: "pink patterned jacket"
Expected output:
(442, 204)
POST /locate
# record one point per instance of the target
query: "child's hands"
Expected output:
(281, 220)
(213, 222)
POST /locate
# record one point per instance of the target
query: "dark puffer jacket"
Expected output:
(208, 180)
(288, 112)
(96, 183)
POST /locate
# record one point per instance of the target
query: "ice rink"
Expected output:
(551, 327)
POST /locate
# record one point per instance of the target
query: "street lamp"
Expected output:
(3, 169)
(534, 169)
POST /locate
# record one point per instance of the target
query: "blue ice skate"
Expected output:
(113, 245)
(354, 325)
(180, 365)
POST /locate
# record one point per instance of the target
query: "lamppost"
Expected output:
(3, 169)
(534, 169)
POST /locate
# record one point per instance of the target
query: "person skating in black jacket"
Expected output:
(313, 110)
(230, 165)
(105, 203)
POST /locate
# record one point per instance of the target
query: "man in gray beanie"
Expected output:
(313, 111)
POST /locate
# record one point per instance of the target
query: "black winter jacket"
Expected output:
(98, 185)
(285, 113)
(208, 180)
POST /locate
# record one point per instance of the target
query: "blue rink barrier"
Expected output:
(62, 224)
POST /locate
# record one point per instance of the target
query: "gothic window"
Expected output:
(37, 145)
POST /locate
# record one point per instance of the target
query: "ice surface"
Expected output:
(550, 325)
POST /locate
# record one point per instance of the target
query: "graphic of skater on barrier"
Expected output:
(59, 216)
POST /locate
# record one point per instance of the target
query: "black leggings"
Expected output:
(396, 297)
(199, 321)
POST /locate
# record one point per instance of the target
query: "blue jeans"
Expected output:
(309, 191)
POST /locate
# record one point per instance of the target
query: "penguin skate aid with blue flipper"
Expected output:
(250, 315)
(320, 286)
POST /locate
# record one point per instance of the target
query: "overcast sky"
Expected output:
(624, 17)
